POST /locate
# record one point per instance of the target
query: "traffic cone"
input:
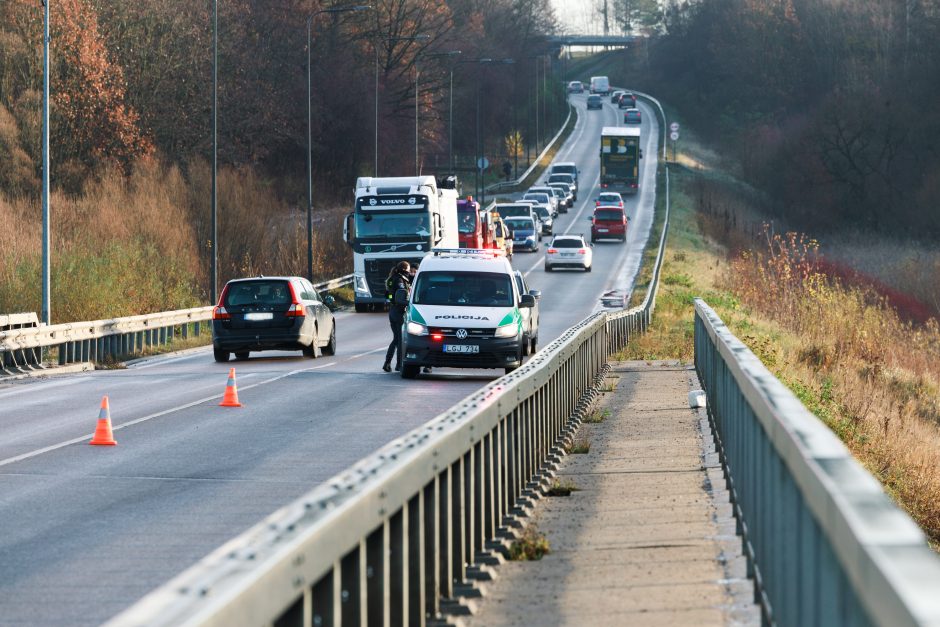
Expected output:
(230, 398)
(103, 435)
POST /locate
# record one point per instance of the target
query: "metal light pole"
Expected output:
(46, 310)
(375, 170)
(449, 53)
(214, 233)
(310, 19)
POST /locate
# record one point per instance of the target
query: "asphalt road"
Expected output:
(85, 531)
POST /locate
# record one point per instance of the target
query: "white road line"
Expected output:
(85, 438)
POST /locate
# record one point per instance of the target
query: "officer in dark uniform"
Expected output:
(398, 279)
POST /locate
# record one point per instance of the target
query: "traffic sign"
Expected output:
(674, 136)
(674, 127)
(483, 163)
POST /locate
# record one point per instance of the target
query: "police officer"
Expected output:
(398, 279)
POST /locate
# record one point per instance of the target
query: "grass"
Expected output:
(530, 547)
(866, 372)
(580, 446)
(562, 487)
(596, 416)
(144, 238)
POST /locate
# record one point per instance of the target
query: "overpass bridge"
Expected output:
(612, 41)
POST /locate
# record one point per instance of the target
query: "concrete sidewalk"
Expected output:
(648, 537)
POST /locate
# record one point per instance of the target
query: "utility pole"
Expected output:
(46, 267)
(214, 234)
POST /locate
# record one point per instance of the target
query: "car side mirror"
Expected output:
(401, 297)
(527, 301)
(329, 301)
(536, 294)
(590, 217)
(628, 218)
(554, 214)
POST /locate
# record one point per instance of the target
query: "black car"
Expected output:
(594, 102)
(272, 313)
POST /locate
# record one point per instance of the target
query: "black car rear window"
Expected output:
(608, 215)
(258, 293)
(568, 242)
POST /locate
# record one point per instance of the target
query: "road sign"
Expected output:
(483, 163)
(674, 136)
(674, 127)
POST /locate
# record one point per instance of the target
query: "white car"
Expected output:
(569, 251)
(609, 199)
(548, 191)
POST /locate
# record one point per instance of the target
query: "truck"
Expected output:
(396, 219)
(472, 228)
(620, 158)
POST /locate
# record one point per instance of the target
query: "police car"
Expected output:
(464, 312)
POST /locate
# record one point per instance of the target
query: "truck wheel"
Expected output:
(409, 371)
(362, 307)
(220, 355)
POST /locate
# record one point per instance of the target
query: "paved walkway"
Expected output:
(648, 537)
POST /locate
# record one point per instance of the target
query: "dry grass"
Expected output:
(531, 546)
(139, 243)
(561, 487)
(597, 416)
(867, 373)
(581, 445)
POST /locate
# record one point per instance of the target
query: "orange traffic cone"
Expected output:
(230, 398)
(103, 435)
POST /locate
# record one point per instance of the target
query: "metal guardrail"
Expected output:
(98, 340)
(402, 531)
(825, 544)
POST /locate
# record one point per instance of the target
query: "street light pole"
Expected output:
(214, 234)
(46, 310)
(449, 53)
(310, 19)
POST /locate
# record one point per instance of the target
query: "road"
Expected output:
(85, 531)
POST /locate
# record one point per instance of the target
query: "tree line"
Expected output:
(830, 107)
(133, 81)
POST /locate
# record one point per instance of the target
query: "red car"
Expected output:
(609, 223)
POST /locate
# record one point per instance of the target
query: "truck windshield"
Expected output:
(467, 221)
(465, 289)
(393, 225)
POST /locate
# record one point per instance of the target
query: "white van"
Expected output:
(600, 85)
(464, 312)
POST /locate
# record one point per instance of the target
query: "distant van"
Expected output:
(600, 85)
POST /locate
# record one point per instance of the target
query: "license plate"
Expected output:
(461, 348)
(601, 230)
(255, 316)
(568, 254)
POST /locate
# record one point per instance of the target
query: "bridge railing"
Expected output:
(100, 340)
(825, 544)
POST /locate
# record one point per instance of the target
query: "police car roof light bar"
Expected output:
(489, 252)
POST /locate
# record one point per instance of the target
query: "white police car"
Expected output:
(464, 312)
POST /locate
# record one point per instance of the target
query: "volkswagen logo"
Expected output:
(461, 334)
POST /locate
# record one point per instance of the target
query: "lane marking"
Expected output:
(85, 438)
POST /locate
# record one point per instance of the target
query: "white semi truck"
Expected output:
(395, 219)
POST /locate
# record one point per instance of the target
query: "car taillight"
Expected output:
(583, 251)
(219, 313)
(296, 310)
(552, 251)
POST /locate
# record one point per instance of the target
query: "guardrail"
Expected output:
(98, 340)
(825, 544)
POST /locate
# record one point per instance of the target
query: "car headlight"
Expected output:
(415, 328)
(361, 286)
(508, 330)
